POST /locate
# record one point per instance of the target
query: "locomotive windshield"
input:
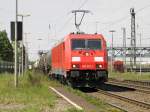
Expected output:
(79, 44)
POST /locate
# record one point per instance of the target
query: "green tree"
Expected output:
(6, 49)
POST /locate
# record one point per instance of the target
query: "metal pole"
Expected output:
(22, 50)
(124, 43)
(133, 38)
(140, 54)
(26, 60)
(112, 54)
(16, 66)
(26, 50)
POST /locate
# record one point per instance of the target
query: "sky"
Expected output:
(51, 20)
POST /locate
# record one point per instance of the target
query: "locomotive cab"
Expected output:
(88, 59)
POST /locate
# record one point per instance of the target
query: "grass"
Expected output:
(130, 76)
(74, 110)
(33, 96)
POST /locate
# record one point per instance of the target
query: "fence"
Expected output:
(6, 66)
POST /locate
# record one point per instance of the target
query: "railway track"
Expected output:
(125, 94)
(135, 102)
(137, 85)
(120, 108)
(141, 83)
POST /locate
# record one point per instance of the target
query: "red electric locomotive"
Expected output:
(80, 60)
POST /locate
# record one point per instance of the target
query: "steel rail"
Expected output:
(111, 104)
(118, 107)
(135, 102)
(140, 88)
(141, 83)
(135, 87)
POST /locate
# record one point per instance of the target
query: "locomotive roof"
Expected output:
(80, 35)
(88, 36)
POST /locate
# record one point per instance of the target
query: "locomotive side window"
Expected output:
(94, 44)
(78, 44)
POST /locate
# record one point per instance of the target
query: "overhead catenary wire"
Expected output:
(82, 5)
(115, 22)
(110, 23)
(66, 23)
(143, 8)
(70, 8)
(125, 17)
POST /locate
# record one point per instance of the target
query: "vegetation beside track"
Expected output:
(102, 105)
(130, 76)
(32, 94)
(73, 110)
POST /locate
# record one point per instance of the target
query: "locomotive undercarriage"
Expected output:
(86, 78)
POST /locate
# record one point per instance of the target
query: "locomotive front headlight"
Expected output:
(98, 59)
(99, 66)
(74, 59)
(75, 66)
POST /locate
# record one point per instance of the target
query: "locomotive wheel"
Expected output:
(105, 79)
(69, 82)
